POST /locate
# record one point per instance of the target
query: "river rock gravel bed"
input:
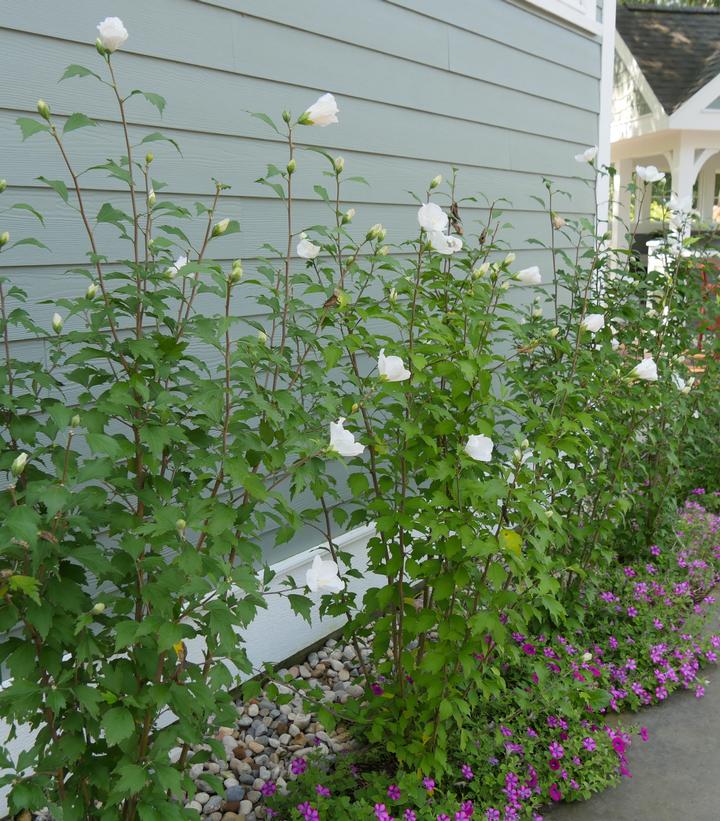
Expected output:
(267, 737)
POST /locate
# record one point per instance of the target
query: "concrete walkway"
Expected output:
(676, 775)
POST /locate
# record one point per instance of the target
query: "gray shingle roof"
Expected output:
(677, 49)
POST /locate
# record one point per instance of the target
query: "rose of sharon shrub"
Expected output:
(497, 436)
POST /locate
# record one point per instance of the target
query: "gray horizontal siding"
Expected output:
(499, 89)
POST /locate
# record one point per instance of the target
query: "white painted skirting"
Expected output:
(276, 633)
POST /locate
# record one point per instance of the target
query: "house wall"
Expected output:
(503, 90)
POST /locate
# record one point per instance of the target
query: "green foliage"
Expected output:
(167, 433)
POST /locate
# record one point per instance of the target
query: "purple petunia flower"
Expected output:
(308, 812)
(467, 772)
(556, 750)
(409, 815)
(322, 791)
(555, 793)
(377, 689)
(429, 784)
(298, 766)
(589, 744)
(393, 792)
(268, 789)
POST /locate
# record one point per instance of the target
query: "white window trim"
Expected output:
(580, 13)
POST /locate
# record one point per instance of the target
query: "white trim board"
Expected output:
(580, 13)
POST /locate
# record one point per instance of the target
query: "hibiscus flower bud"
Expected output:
(98, 608)
(383, 252)
(509, 259)
(149, 157)
(262, 337)
(347, 216)
(220, 228)
(3, 185)
(91, 291)
(339, 165)
(505, 286)
(18, 465)
(291, 166)
(152, 198)
(355, 407)
(393, 295)
(435, 181)
(4, 238)
(57, 323)
(554, 332)
(287, 116)
(376, 232)
(75, 421)
(43, 109)
(558, 222)
(180, 526)
(237, 272)
(481, 270)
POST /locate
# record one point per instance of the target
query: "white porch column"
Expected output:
(706, 191)
(621, 201)
(684, 171)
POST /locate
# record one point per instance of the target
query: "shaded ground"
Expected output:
(676, 775)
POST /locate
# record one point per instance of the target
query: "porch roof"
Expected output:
(677, 49)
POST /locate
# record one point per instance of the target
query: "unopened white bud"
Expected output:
(481, 270)
(262, 337)
(339, 165)
(509, 259)
(348, 216)
(57, 323)
(220, 228)
(435, 181)
(376, 232)
(98, 608)
(18, 465)
(91, 291)
(151, 197)
(554, 332)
